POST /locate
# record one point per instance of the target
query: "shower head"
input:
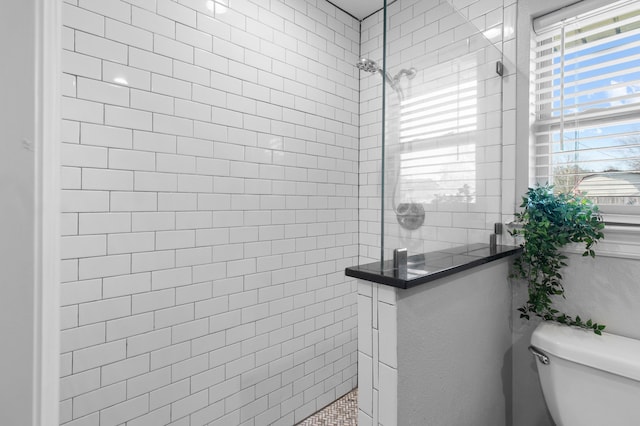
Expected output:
(368, 65)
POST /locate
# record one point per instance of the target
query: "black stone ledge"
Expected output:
(427, 267)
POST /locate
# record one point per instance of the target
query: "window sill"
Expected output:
(621, 237)
(619, 241)
(621, 219)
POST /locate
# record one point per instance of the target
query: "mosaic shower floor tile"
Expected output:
(343, 412)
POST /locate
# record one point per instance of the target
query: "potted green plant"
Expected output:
(549, 222)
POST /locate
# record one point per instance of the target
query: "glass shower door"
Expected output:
(442, 138)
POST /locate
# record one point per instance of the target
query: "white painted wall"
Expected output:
(29, 170)
(454, 363)
(17, 227)
(209, 210)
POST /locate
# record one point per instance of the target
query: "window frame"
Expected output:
(619, 214)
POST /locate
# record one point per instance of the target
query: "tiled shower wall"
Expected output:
(209, 203)
(432, 36)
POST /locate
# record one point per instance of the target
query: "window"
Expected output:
(587, 89)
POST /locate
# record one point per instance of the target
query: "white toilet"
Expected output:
(588, 380)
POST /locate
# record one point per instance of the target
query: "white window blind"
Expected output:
(588, 104)
(438, 162)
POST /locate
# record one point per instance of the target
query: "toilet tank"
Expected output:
(590, 380)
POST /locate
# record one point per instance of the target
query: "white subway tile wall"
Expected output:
(210, 184)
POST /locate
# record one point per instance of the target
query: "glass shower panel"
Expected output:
(442, 144)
